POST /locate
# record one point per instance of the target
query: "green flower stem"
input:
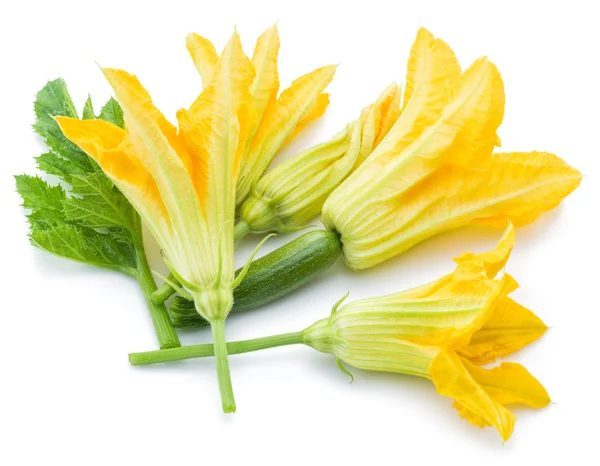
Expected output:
(166, 291)
(203, 351)
(240, 230)
(223, 373)
(165, 332)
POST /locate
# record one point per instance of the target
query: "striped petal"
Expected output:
(154, 141)
(204, 55)
(215, 129)
(431, 74)
(265, 84)
(399, 189)
(377, 119)
(518, 186)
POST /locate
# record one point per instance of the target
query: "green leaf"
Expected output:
(44, 219)
(45, 201)
(54, 99)
(54, 164)
(51, 101)
(38, 194)
(93, 222)
(113, 113)
(86, 245)
(100, 205)
(88, 109)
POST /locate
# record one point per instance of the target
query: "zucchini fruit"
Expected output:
(273, 275)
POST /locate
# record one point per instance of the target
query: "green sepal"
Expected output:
(340, 364)
(174, 285)
(240, 276)
(338, 303)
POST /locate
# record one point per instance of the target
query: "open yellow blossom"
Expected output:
(443, 331)
(291, 194)
(435, 171)
(277, 119)
(182, 180)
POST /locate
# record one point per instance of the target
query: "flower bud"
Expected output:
(291, 194)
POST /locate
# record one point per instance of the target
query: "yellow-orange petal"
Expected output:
(509, 328)
(151, 136)
(378, 118)
(452, 379)
(509, 383)
(494, 260)
(203, 54)
(215, 129)
(432, 72)
(265, 84)
(302, 101)
(519, 186)
(108, 146)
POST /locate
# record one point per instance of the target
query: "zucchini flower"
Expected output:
(277, 119)
(432, 172)
(293, 193)
(435, 171)
(182, 180)
(443, 331)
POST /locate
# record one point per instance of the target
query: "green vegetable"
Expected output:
(273, 275)
(93, 222)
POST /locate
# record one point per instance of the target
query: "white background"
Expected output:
(68, 395)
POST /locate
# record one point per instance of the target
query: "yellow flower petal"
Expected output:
(150, 133)
(216, 126)
(108, 146)
(204, 55)
(377, 119)
(509, 383)
(519, 186)
(445, 313)
(314, 113)
(215, 129)
(386, 111)
(450, 310)
(510, 328)
(480, 118)
(265, 85)
(452, 379)
(302, 100)
(470, 416)
(494, 260)
(432, 72)
(398, 189)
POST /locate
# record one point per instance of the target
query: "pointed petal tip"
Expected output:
(424, 33)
